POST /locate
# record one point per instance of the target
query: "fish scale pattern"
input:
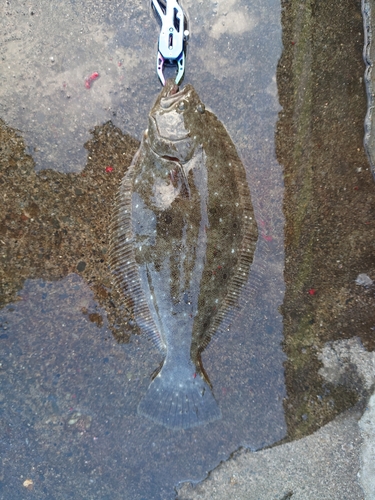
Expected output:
(183, 239)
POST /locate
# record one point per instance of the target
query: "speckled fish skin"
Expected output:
(182, 242)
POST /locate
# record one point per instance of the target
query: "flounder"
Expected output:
(182, 241)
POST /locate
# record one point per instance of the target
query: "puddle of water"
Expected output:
(73, 384)
(48, 49)
(70, 392)
(244, 366)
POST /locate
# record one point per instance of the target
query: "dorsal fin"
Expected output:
(122, 260)
(234, 174)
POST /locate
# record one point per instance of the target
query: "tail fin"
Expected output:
(179, 399)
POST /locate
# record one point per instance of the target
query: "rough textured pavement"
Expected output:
(336, 462)
(321, 466)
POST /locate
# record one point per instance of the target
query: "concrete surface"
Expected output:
(367, 427)
(336, 462)
(322, 466)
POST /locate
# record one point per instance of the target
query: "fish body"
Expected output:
(182, 242)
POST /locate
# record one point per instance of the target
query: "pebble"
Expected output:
(364, 280)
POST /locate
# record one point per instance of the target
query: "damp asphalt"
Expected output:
(295, 375)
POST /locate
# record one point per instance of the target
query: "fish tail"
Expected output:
(179, 399)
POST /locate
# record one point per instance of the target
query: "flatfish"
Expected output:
(182, 241)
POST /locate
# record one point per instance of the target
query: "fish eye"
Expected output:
(201, 108)
(182, 105)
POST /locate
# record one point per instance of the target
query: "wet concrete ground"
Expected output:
(328, 203)
(69, 391)
(320, 466)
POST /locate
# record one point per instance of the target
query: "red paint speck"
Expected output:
(265, 229)
(88, 81)
(312, 291)
(109, 169)
(266, 237)
(194, 375)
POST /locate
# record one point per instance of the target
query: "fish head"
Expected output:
(175, 122)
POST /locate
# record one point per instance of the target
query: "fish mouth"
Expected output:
(173, 94)
(166, 120)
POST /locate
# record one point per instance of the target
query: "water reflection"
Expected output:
(70, 394)
(58, 341)
(55, 322)
(44, 92)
